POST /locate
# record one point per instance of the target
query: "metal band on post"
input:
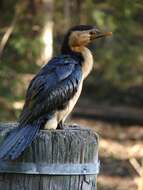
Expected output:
(50, 169)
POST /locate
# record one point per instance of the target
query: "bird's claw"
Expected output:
(61, 126)
(74, 127)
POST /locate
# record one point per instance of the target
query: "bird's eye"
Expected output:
(92, 32)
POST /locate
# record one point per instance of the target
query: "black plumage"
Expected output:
(51, 88)
(49, 91)
(54, 91)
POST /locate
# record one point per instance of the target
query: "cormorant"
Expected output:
(54, 91)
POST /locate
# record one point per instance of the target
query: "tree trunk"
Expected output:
(67, 14)
(46, 12)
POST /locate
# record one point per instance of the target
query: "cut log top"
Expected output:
(72, 145)
(62, 151)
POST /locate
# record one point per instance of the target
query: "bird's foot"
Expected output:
(74, 127)
(61, 126)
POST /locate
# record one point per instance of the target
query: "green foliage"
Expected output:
(20, 53)
(119, 60)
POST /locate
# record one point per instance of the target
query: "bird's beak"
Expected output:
(94, 34)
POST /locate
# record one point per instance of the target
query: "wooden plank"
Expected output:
(76, 146)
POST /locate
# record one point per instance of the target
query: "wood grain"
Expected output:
(78, 145)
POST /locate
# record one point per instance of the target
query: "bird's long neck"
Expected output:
(81, 52)
(88, 61)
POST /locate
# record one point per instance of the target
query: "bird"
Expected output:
(54, 91)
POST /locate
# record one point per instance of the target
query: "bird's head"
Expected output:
(80, 36)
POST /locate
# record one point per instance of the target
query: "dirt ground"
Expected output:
(120, 154)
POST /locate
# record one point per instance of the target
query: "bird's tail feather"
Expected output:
(17, 141)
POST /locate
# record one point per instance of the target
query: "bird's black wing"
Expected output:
(51, 88)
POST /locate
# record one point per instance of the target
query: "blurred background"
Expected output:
(31, 32)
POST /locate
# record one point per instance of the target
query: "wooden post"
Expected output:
(63, 149)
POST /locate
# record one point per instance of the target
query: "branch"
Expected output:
(135, 165)
(6, 36)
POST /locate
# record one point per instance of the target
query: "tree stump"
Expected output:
(56, 160)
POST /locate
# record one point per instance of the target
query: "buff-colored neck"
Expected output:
(88, 60)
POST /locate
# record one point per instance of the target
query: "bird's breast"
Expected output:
(62, 114)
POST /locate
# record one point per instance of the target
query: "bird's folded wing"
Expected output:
(51, 89)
